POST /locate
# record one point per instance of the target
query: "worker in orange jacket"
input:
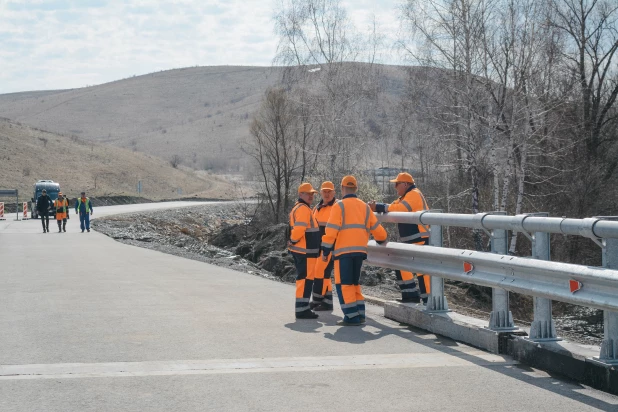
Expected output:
(62, 211)
(347, 234)
(322, 285)
(304, 245)
(410, 200)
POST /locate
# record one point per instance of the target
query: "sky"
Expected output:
(61, 44)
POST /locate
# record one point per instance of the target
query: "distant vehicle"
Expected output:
(52, 188)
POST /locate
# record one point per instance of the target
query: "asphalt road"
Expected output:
(89, 324)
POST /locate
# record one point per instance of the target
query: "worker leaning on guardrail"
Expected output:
(410, 200)
(347, 234)
(304, 245)
(322, 285)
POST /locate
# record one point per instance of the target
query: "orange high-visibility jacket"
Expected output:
(412, 201)
(304, 231)
(348, 228)
(321, 213)
(62, 206)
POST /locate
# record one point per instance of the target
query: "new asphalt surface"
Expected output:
(89, 324)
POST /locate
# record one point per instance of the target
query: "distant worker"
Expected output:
(347, 234)
(322, 284)
(62, 210)
(83, 206)
(43, 205)
(410, 200)
(304, 245)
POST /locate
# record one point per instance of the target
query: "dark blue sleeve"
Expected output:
(381, 207)
(326, 250)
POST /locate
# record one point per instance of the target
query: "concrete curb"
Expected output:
(453, 325)
(567, 359)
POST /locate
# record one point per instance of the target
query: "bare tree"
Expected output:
(274, 147)
(448, 34)
(333, 64)
(592, 32)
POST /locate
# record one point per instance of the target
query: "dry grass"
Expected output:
(27, 155)
(199, 113)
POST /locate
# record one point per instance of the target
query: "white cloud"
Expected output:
(52, 44)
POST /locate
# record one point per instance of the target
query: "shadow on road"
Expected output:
(378, 328)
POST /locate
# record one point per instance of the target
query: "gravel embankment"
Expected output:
(216, 234)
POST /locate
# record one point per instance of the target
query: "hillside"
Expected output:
(196, 113)
(28, 154)
(200, 114)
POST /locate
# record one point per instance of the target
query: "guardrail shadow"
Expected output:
(551, 382)
(376, 329)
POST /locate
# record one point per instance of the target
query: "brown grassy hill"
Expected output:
(28, 154)
(198, 113)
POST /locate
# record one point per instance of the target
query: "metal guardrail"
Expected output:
(594, 227)
(595, 287)
(515, 274)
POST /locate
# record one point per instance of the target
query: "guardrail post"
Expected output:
(501, 318)
(543, 328)
(609, 347)
(437, 301)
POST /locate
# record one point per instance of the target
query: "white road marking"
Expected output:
(258, 365)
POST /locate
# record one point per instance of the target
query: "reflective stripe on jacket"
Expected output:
(61, 205)
(348, 228)
(321, 213)
(304, 231)
(412, 201)
(87, 206)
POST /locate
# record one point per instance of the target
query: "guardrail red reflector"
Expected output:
(575, 285)
(468, 267)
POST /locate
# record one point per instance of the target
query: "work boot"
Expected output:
(314, 305)
(88, 230)
(306, 314)
(323, 307)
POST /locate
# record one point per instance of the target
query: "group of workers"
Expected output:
(83, 207)
(334, 235)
